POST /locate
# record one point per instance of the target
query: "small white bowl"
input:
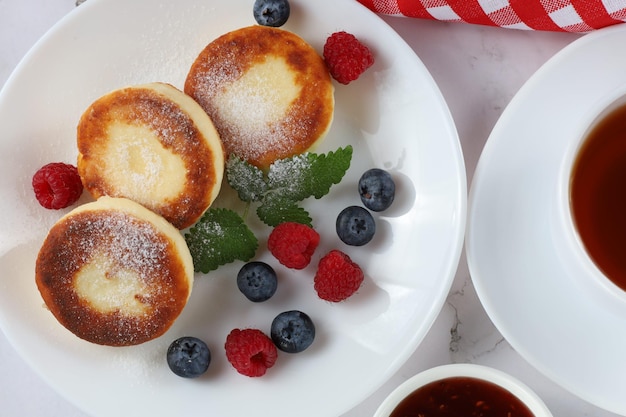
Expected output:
(509, 383)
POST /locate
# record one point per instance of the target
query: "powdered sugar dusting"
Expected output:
(120, 256)
(261, 96)
(253, 144)
(113, 276)
(252, 110)
(286, 173)
(134, 244)
(267, 91)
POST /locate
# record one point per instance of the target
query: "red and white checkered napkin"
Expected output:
(552, 15)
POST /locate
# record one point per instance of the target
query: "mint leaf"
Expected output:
(277, 209)
(308, 174)
(218, 238)
(246, 179)
(288, 182)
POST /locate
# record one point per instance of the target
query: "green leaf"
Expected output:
(288, 182)
(276, 209)
(308, 174)
(246, 179)
(218, 238)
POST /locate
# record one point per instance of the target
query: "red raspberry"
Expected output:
(293, 244)
(337, 277)
(250, 351)
(347, 58)
(57, 185)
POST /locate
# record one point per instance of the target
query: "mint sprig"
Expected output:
(222, 236)
(218, 238)
(288, 182)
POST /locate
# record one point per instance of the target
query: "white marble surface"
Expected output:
(479, 70)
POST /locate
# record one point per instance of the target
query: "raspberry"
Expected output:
(250, 351)
(346, 57)
(57, 185)
(293, 244)
(337, 277)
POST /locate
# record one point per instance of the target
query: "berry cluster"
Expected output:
(338, 277)
(355, 225)
(293, 245)
(334, 280)
(251, 352)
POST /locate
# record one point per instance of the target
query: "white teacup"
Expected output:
(567, 239)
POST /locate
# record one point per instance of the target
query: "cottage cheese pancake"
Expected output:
(114, 273)
(155, 145)
(268, 92)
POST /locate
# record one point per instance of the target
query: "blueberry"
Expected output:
(355, 226)
(188, 357)
(377, 189)
(292, 331)
(257, 281)
(271, 12)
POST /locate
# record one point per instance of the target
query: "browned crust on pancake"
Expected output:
(228, 57)
(176, 131)
(133, 244)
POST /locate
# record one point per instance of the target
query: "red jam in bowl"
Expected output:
(461, 396)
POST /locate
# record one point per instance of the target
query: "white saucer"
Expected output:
(545, 306)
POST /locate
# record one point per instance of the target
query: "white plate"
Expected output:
(394, 116)
(539, 302)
